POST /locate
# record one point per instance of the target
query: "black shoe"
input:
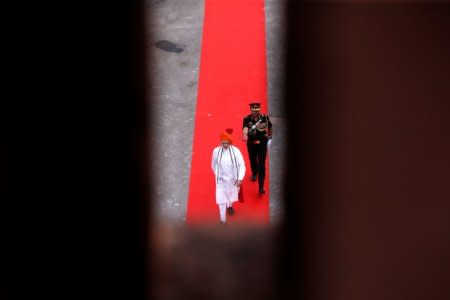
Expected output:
(253, 178)
(230, 211)
(261, 191)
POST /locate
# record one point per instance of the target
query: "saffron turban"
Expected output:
(226, 136)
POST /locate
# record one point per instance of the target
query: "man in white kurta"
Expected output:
(229, 169)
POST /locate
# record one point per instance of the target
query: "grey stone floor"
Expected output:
(174, 44)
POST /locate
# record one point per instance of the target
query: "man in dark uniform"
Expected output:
(257, 132)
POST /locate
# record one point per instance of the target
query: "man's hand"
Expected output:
(260, 125)
(245, 134)
(238, 183)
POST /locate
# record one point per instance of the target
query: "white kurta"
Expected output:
(228, 166)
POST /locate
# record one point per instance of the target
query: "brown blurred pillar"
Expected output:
(368, 94)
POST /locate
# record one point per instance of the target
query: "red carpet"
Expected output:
(232, 74)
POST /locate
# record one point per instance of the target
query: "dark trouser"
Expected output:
(257, 154)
